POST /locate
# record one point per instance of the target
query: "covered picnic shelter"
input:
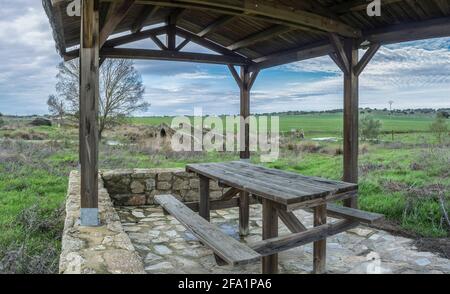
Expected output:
(252, 35)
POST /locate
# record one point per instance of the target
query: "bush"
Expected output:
(370, 128)
(439, 127)
(2, 122)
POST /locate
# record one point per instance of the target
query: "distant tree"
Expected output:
(121, 90)
(439, 127)
(444, 114)
(370, 128)
(2, 122)
(56, 107)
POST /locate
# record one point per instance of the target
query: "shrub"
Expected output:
(370, 128)
(2, 122)
(439, 127)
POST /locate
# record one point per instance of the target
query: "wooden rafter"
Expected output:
(118, 12)
(215, 25)
(268, 11)
(146, 13)
(206, 43)
(260, 36)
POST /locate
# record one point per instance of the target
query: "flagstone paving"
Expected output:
(166, 247)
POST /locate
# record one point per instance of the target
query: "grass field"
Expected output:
(329, 124)
(401, 178)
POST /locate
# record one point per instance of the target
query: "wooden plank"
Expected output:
(292, 178)
(216, 25)
(233, 177)
(320, 246)
(89, 95)
(291, 221)
(413, 31)
(259, 37)
(244, 214)
(320, 201)
(269, 11)
(269, 230)
(351, 119)
(286, 242)
(227, 248)
(292, 55)
(147, 13)
(365, 217)
(219, 204)
(120, 11)
(141, 35)
(204, 208)
(128, 53)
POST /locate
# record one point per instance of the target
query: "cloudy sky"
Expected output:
(415, 74)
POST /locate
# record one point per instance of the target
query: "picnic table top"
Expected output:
(279, 186)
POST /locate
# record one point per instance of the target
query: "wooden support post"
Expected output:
(245, 113)
(351, 118)
(244, 207)
(89, 93)
(269, 230)
(320, 247)
(244, 213)
(204, 198)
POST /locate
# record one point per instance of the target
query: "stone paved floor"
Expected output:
(166, 247)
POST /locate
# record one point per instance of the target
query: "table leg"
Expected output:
(269, 230)
(204, 198)
(320, 247)
(244, 213)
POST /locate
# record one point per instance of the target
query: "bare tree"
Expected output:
(121, 90)
(56, 107)
(390, 105)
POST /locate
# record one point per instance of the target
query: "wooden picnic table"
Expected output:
(280, 193)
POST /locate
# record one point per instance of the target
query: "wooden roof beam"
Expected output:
(356, 5)
(168, 55)
(260, 36)
(435, 28)
(267, 11)
(116, 15)
(207, 44)
(146, 13)
(215, 25)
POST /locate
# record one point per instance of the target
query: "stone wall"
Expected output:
(134, 187)
(91, 250)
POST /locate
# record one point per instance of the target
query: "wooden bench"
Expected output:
(228, 249)
(360, 216)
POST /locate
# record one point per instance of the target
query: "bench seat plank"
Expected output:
(362, 216)
(230, 250)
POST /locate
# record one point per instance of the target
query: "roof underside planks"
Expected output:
(265, 33)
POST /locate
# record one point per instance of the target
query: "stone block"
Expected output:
(137, 187)
(165, 176)
(163, 186)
